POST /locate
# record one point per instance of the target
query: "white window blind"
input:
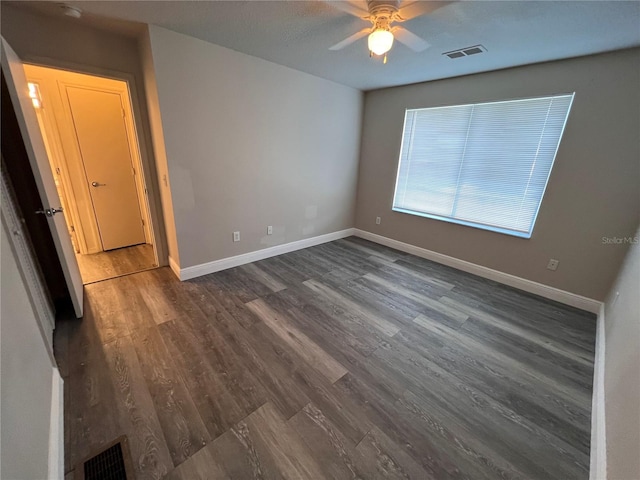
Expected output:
(484, 165)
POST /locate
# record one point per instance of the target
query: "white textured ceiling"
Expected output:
(298, 34)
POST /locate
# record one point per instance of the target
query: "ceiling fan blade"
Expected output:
(349, 40)
(411, 9)
(355, 8)
(411, 40)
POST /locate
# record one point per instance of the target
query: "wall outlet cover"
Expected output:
(553, 264)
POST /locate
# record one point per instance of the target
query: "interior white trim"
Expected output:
(56, 428)
(598, 460)
(230, 262)
(530, 286)
(175, 267)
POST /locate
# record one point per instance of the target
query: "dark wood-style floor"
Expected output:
(96, 267)
(345, 360)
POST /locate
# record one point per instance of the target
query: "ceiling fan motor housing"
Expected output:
(383, 12)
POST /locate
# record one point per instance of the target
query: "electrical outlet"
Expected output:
(378, 220)
(236, 236)
(553, 264)
(269, 230)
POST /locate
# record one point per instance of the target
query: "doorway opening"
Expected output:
(89, 133)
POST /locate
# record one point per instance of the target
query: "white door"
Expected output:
(98, 120)
(34, 145)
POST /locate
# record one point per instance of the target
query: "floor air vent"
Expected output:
(112, 463)
(465, 52)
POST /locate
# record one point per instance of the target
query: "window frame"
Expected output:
(482, 226)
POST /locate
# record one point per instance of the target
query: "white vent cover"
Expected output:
(466, 51)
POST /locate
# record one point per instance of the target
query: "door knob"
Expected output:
(98, 184)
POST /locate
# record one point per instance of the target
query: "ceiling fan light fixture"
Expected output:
(380, 41)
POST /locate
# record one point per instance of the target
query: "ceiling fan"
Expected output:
(383, 14)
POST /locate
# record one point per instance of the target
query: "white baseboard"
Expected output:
(530, 286)
(56, 428)
(175, 267)
(230, 262)
(598, 467)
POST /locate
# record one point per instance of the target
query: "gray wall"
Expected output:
(65, 43)
(621, 370)
(26, 375)
(592, 192)
(249, 144)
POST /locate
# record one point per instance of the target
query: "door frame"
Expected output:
(58, 122)
(142, 142)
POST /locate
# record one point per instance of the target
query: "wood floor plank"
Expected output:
(107, 311)
(425, 300)
(217, 405)
(574, 341)
(490, 419)
(229, 302)
(383, 458)
(532, 398)
(383, 412)
(535, 356)
(385, 304)
(135, 410)
(241, 285)
(545, 340)
(375, 456)
(289, 273)
(275, 366)
(300, 342)
(453, 434)
(183, 428)
(346, 415)
(411, 277)
(88, 392)
(373, 249)
(264, 277)
(239, 457)
(200, 466)
(154, 288)
(352, 328)
(344, 360)
(336, 455)
(101, 266)
(264, 446)
(347, 256)
(374, 319)
(267, 369)
(327, 325)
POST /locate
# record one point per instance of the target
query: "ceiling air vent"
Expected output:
(465, 52)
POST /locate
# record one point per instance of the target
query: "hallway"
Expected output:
(115, 263)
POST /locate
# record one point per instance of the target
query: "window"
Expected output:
(484, 165)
